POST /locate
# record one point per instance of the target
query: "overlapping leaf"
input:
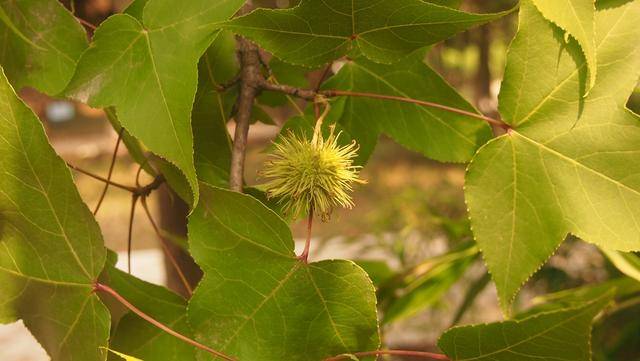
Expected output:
(40, 44)
(51, 250)
(316, 32)
(568, 165)
(258, 302)
(438, 134)
(212, 109)
(425, 285)
(577, 18)
(147, 69)
(137, 337)
(563, 334)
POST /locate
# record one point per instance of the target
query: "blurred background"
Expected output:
(408, 230)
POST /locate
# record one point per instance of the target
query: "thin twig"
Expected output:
(323, 76)
(165, 247)
(421, 354)
(496, 122)
(310, 94)
(132, 213)
(304, 256)
(111, 166)
(86, 23)
(102, 179)
(104, 288)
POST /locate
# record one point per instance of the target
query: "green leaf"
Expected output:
(39, 51)
(428, 282)
(148, 70)
(212, 110)
(316, 32)
(568, 165)
(627, 263)
(137, 337)
(621, 287)
(546, 336)
(438, 134)
(258, 302)
(51, 249)
(577, 18)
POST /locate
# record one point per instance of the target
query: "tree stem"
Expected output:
(250, 77)
(421, 354)
(104, 288)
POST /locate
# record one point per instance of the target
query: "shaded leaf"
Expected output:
(212, 110)
(577, 18)
(316, 32)
(568, 165)
(566, 332)
(425, 285)
(41, 44)
(129, 66)
(627, 263)
(621, 287)
(438, 134)
(51, 249)
(137, 337)
(257, 301)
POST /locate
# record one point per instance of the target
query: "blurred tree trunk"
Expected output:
(173, 219)
(483, 74)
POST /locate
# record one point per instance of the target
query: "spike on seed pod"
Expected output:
(312, 175)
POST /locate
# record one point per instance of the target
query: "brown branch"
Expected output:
(165, 247)
(310, 94)
(323, 76)
(496, 122)
(132, 213)
(86, 23)
(421, 354)
(104, 288)
(250, 79)
(102, 179)
(111, 166)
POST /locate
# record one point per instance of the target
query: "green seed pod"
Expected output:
(312, 175)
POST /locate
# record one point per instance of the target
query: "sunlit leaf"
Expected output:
(569, 163)
(51, 249)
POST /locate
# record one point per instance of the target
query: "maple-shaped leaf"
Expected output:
(316, 32)
(564, 334)
(37, 50)
(258, 302)
(569, 165)
(147, 69)
(51, 249)
(436, 133)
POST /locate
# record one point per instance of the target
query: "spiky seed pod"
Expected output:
(316, 174)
